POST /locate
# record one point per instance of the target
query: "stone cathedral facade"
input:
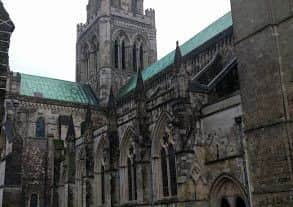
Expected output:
(208, 125)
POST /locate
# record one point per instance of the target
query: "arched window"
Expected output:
(40, 128)
(141, 57)
(116, 54)
(168, 167)
(34, 200)
(123, 56)
(164, 168)
(131, 171)
(134, 58)
(172, 169)
(225, 203)
(103, 184)
(240, 202)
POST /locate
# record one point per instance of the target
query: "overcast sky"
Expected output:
(43, 42)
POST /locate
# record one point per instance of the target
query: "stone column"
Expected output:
(264, 37)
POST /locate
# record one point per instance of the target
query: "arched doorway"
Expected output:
(227, 192)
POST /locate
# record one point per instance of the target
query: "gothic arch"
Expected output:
(103, 143)
(139, 39)
(227, 189)
(140, 46)
(121, 43)
(162, 122)
(101, 165)
(125, 141)
(127, 169)
(163, 154)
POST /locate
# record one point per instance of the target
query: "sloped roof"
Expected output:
(202, 37)
(60, 90)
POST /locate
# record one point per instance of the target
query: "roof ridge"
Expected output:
(39, 76)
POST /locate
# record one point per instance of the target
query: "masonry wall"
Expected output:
(263, 33)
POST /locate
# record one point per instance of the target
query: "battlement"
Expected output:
(151, 14)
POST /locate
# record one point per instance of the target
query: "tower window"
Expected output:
(123, 56)
(134, 58)
(116, 54)
(141, 57)
(40, 128)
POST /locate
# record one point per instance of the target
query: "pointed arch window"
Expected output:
(116, 54)
(123, 54)
(134, 58)
(40, 128)
(34, 200)
(141, 57)
(168, 167)
(131, 172)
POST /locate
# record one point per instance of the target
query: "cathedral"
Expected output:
(208, 125)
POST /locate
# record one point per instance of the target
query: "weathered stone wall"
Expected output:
(208, 148)
(263, 33)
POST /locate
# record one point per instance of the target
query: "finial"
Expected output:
(178, 56)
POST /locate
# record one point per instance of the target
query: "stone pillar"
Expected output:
(264, 37)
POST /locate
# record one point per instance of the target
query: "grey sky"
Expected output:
(44, 40)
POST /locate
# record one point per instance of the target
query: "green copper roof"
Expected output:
(205, 35)
(54, 89)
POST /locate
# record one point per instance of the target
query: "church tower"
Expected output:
(117, 39)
